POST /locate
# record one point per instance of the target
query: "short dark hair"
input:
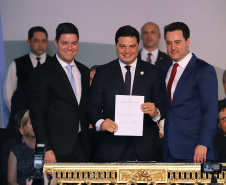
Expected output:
(177, 26)
(93, 68)
(224, 77)
(127, 31)
(220, 108)
(65, 28)
(32, 31)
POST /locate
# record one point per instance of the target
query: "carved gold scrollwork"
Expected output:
(135, 176)
(131, 174)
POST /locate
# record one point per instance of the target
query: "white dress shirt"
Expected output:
(180, 69)
(154, 55)
(10, 84)
(77, 78)
(132, 71)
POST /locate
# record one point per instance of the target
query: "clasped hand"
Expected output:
(149, 108)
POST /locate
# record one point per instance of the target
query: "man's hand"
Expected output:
(200, 154)
(50, 157)
(109, 125)
(149, 108)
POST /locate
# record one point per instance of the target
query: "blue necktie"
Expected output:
(71, 78)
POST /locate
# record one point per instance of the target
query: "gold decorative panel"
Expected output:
(141, 175)
(131, 173)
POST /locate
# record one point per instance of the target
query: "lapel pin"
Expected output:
(142, 72)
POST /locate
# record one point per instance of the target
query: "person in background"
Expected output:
(21, 157)
(20, 69)
(220, 138)
(223, 101)
(150, 35)
(53, 181)
(16, 89)
(92, 72)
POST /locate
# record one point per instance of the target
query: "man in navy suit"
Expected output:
(190, 95)
(59, 94)
(108, 82)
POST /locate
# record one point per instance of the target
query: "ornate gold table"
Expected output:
(131, 173)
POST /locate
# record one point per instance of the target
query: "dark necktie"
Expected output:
(149, 58)
(38, 59)
(172, 76)
(128, 80)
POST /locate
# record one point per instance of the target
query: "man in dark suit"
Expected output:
(150, 35)
(109, 81)
(190, 95)
(223, 101)
(59, 91)
(220, 138)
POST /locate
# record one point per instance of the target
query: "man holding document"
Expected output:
(127, 126)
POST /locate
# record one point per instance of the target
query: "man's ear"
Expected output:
(28, 42)
(219, 125)
(141, 38)
(55, 42)
(188, 42)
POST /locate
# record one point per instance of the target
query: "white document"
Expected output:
(128, 115)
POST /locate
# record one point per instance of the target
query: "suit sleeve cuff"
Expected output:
(98, 123)
(158, 117)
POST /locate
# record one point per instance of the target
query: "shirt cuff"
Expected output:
(158, 117)
(98, 123)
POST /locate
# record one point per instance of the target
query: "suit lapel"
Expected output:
(159, 58)
(139, 55)
(64, 82)
(119, 82)
(165, 94)
(185, 75)
(83, 81)
(138, 77)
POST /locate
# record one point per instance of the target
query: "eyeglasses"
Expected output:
(222, 119)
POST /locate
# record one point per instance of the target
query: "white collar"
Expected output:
(154, 52)
(184, 62)
(133, 65)
(64, 64)
(43, 56)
